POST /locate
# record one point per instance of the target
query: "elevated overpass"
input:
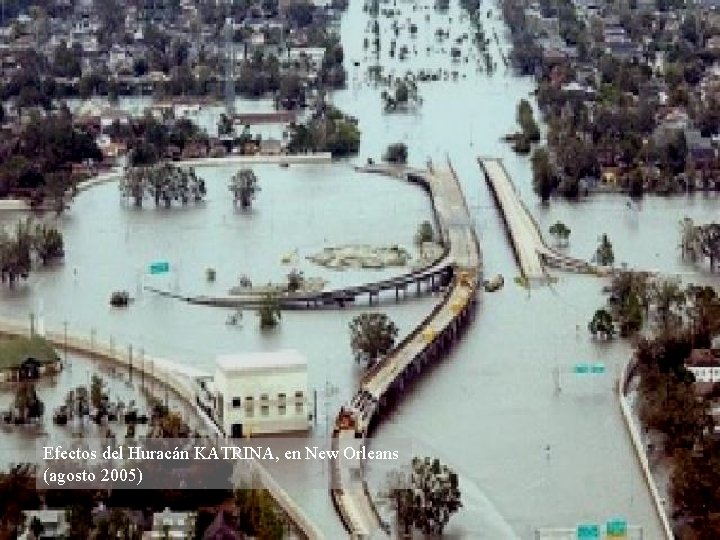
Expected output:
(428, 342)
(531, 252)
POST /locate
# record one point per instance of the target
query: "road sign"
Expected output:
(159, 267)
(588, 532)
(581, 368)
(616, 528)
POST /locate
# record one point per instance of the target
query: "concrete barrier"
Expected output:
(640, 452)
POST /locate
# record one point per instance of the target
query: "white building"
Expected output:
(170, 525)
(261, 393)
(704, 365)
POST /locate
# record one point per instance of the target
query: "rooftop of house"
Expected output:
(259, 361)
(703, 358)
(15, 351)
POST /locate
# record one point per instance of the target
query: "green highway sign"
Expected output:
(582, 368)
(588, 532)
(159, 267)
(597, 368)
(616, 528)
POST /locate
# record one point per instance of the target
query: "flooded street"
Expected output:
(492, 407)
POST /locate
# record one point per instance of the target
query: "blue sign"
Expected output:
(160, 267)
(588, 532)
(597, 368)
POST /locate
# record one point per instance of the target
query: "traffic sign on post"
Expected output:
(582, 368)
(616, 528)
(588, 532)
(159, 267)
(597, 368)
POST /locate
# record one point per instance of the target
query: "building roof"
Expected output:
(702, 358)
(260, 361)
(15, 351)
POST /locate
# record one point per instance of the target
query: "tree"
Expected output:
(424, 233)
(48, 243)
(561, 232)
(269, 312)
(79, 520)
(527, 123)
(225, 125)
(602, 324)
(544, 180)
(710, 243)
(258, 515)
(689, 239)
(164, 183)
(295, 280)
(428, 498)
(96, 391)
(667, 296)
(396, 153)
(372, 335)
(15, 253)
(244, 186)
(604, 255)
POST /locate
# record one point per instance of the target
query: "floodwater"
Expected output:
(531, 453)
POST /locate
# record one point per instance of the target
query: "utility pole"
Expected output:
(65, 324)
(130, 360)
(142, 369)
(229, 65)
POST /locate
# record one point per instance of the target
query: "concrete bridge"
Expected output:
(428, 342)
(430, 278)
(533, 255)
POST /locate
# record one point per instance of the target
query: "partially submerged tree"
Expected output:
(424, 233)
(27, 403)
(602, 324)
(18, 248)
(561, 232)
(428, 498)
(244, 187)
(604, 255)
(371, 336)
(396, 153)
(48, 243)
(163, 183)
(269, 312)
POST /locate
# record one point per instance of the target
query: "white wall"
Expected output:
(265, 415)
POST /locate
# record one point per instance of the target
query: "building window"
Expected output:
(249, 404)
(282, 410)
(236, 402)
(263, 397)
(298, 394)
(249, 412)
(298, 408)
(281, 397)
(265, 410)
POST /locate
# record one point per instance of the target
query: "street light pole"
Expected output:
(65, 324)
